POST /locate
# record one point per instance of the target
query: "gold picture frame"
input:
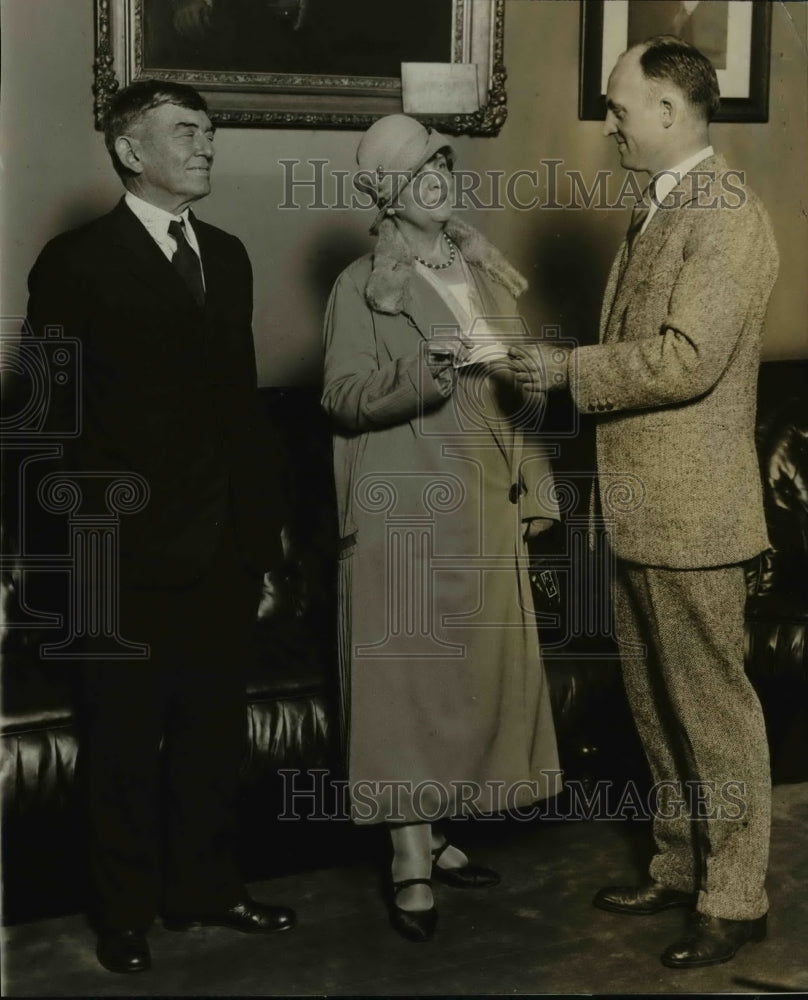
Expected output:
(276, 96)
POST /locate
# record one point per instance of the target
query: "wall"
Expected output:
(56, 174)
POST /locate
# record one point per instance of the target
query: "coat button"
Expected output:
(591, 407)
(601, 406)
(517, 490)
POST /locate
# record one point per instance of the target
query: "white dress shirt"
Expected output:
(156, 221)
(666, 180)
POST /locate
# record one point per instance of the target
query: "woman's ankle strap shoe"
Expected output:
(407, 882)
(414, 925)
(466, 877)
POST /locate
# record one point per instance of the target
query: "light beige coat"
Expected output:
(444, 694)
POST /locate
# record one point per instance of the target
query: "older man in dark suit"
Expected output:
(673, 383)
(162, 306)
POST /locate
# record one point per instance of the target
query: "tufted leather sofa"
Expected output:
(777, 582)
(291, 684)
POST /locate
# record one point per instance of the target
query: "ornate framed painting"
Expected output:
(302, 63)
(734, 34)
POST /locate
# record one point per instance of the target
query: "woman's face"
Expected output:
(428, 198)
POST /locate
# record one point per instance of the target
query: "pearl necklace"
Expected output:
(445, 264)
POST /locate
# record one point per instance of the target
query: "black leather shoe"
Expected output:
(641, 899)
(712, 940)
(466, 877)
(123, 951)
(414, 925)
(249, 917)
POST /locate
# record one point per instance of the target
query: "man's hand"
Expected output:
(540, 367)
(491, 357)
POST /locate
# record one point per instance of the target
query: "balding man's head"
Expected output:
(667, 59)
(660, 98)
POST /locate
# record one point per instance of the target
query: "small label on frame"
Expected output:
(439, 88)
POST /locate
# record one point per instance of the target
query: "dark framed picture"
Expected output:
(734, 34)
(302, 63)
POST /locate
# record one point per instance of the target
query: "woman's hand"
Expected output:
(535, 526)
(439, 370)
(447, 352)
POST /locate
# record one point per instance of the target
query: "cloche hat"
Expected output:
(391, 153)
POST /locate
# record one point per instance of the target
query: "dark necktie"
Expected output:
(638, 216)
(186, 263)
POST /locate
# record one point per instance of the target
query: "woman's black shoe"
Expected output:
(467, 877)
(414, 925)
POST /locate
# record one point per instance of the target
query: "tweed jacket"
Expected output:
(673, 379)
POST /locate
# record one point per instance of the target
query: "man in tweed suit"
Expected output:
(673, 382)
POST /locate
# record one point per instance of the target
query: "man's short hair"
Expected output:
(665, 57)
(131, 103)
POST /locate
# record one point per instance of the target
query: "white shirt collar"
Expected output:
(157, 220)
(666, 180)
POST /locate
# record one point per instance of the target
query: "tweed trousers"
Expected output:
(681, 636)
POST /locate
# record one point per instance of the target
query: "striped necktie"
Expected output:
(186, 263)
(639, 214)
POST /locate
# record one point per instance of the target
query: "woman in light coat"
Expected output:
(440, 481)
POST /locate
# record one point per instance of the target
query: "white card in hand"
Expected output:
(484, 352)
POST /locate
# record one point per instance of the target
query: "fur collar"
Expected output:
(387, 287)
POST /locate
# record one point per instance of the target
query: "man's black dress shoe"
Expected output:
(123, 951)
(414, 925)
(641, 899)
(712, 940)
(249, 917)
(467, 877)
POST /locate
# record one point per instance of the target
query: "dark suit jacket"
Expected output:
(168, 391)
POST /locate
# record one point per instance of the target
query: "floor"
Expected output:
(535, 933)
